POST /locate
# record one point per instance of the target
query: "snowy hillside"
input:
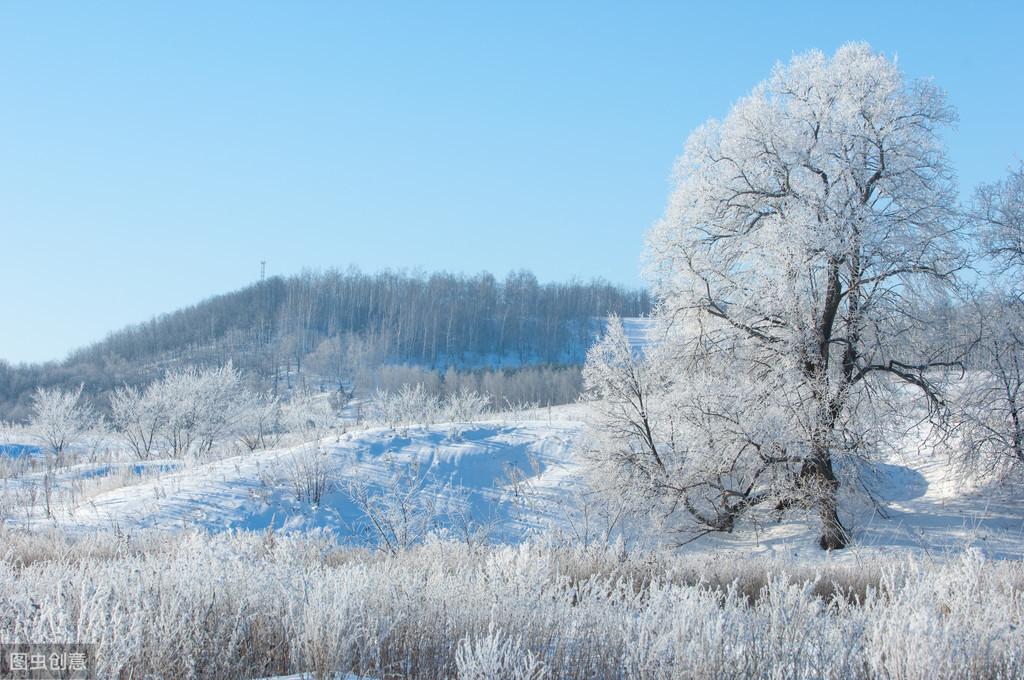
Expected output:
(509, 477)
(473, 466)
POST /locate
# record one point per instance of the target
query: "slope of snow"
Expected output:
(518, 476)
(473, 463)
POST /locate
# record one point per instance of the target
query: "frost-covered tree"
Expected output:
(991, 397)
(60, 417)
(259, 422)
(803, 231)
(187, 411)
(221, 400)
(998, 213)
(697, 442)
(191, 410)
(140, 417)
(199, 407)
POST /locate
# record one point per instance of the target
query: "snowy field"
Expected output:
(475, 550)
(471, 465)
(513, 476)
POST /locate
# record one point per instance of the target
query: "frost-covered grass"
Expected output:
(253, 605)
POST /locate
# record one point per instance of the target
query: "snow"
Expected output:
(923, 507)
(251, 491)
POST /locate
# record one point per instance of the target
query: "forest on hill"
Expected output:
(331, 326)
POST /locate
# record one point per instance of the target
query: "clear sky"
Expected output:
(152, 153)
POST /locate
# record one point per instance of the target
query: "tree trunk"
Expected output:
(833, 533)
(817, 474)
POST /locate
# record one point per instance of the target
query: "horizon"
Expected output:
(157, 154)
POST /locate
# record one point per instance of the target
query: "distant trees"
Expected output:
(531, 385)
(330, 361)
(337, 327)
(415, 404)
(805, 231)
(437, 320)
(189, 410)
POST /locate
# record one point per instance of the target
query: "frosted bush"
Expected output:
(496, 655)
(402, 510)
(410, 404)
(464, 406)
(309, 473)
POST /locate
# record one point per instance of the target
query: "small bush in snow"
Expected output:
(309, 473)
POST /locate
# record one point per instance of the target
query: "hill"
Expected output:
(330, 326)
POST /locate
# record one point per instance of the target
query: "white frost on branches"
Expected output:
(805, 231)
(61, 417)
(190, 410)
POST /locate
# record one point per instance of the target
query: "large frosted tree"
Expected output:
(803, 233)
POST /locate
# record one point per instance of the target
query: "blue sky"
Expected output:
(151, 154)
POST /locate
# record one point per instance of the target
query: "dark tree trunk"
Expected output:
(818, 476)
(833, 533)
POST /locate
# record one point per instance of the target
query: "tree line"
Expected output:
(340, 324)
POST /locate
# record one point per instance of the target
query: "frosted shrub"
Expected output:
(325, 613)
(309, 473)
(410, 404)
(465, 406)
(60, 418)
(496, 655)
(963, 620)
(401, 511)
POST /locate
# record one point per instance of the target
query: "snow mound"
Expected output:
(472, 465)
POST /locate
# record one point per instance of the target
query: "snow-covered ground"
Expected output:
(456, 605)
(514, 476)
(480, 465)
